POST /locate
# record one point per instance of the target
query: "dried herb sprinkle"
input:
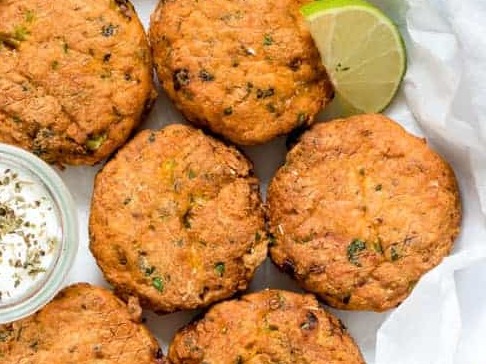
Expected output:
(28, 228)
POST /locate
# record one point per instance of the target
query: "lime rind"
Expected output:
(324, 5)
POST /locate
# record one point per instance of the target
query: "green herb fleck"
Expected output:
(158, 284)
(151, 137)
(29, 16)
(239, 360)
(191, 174)
(127, 201)
(16, 119)
(169, 164)
(394, 255)
(267, 40)
(54, 65)
(353, 251)
(378, 187)
(65, 47)
(228, 111)
(219, 268)
(361, 171)
(95, 142)
(21, 32)
(257, 236)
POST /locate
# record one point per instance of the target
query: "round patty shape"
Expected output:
(246, 69)
(270, 326)
(177, 220)
(75, 77)
(361, 210)
(82, 324)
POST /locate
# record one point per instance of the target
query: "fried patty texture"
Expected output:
(82, 324)
(271, 326)
(177, 220)
(75, 77)
(246, 69)
(361, 210)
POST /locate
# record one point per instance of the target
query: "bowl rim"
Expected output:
(39, 295)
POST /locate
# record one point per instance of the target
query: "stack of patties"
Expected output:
(357, 214)
(177, 219)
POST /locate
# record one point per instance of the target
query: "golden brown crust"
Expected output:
(177, 220)
(246, 69)
(82, 324)
(75, 77)
(271, 326)
(361, 210)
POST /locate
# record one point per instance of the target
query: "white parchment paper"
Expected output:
(444, 99)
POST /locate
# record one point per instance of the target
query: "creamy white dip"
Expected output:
(29, 233)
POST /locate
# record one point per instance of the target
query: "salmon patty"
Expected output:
(246, 69)
(82, 324)
(361, 210)
(75, 77)
(271, 326)
(177, 220)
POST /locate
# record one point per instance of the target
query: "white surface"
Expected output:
(444, 94)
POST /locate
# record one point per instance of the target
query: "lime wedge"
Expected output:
(361, 49)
